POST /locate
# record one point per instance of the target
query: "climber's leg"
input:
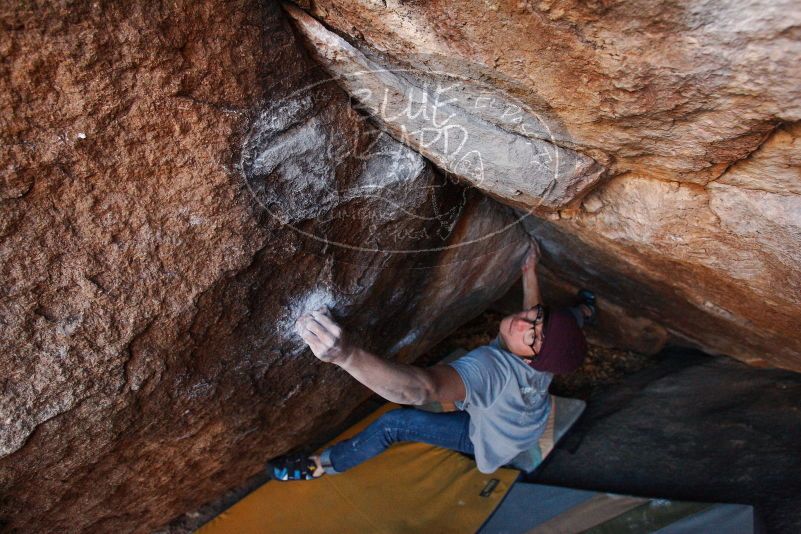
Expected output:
(585, 311)
(448, 430)
(579, 314)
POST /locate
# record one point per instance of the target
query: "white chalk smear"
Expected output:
(312, 300)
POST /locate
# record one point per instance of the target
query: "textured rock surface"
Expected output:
(485, 138)
(692, 109)
(174, 181)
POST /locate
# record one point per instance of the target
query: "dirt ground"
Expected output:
(693, 427)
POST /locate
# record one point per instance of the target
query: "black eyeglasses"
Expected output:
(541, 317)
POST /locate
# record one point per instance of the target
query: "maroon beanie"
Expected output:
(564, 347)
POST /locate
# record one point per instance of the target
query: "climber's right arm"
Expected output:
(396, 382)
(531, 286)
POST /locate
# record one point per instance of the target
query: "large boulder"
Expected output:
(691, 109)
(180, 182)
(458, 124)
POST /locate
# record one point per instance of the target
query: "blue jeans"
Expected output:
(448, 430)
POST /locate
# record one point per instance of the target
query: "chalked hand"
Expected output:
(323, 335)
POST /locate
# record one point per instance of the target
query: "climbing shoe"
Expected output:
(297, 466)
(587, 298)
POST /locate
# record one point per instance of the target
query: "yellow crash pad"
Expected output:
(411, 487)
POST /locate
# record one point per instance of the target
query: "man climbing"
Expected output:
(500, 389)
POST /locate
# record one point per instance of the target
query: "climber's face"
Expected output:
(522, 332)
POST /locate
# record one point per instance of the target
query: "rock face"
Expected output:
(692, 109)
(464, 128)
(179, 183)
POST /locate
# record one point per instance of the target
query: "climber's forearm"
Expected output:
(531, 289)
(396, 382)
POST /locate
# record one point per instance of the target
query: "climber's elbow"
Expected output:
(442, 384)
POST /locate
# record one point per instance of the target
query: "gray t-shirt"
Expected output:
(507, 401)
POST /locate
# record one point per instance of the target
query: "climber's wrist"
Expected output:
(347, 357)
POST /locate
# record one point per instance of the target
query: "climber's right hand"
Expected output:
(324, 336)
